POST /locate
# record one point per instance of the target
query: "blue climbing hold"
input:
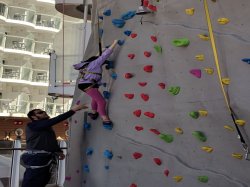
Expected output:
(87, 126)
(121, 42)
(247, 60)
(128, 15)
(113, 75)
(127, 32)
(101, 17)
(108, 154)
(109, 65)
(89, 151)
(86, 168)
(106, 94)
(107, 125)
(107, 12)
(119, 23)
(106, 167)
(104, 84)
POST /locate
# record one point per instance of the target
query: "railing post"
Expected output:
(61, 166)
(15, 164)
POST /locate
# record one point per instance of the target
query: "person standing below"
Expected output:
(90, 78)
(42, 146)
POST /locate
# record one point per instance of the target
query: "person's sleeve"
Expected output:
(78, 66)
(42, 124)
(100, 60)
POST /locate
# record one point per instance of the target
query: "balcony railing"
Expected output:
(23, 45)
(29, 17)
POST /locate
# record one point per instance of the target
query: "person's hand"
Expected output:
(79, 107)
(113, 44)
(60, 155)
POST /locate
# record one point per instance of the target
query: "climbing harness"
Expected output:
(212, 40)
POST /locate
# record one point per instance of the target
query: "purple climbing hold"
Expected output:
(196, 73)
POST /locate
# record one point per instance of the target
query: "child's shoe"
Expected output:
(93, 116)
(107, 125)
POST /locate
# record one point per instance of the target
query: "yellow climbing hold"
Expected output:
(207, 149)
(200, 57)
(178, 130)
(240, 122)
(203, 113)
(177, 178)
(223, 21)
(209, 71)
(237, 155)
(226, 81)
(189, 11)
(204, 37)
(229, 128)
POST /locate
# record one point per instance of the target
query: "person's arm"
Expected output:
(42, 124)
(100, 60)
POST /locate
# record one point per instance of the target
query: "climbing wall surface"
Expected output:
(172, 122)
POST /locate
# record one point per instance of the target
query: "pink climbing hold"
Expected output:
(133, 35)
(128, 75)
(145, 97)
(139, 128)
(196, 72)
(78, 102)
(142, 84)
(153, 38)
(137, 155)
(129, 96)
(137, 113)
(162, 85)
(147, 54)
(155, 131)
(149, 114)
(148, 68)
(133, 185)
(67, 178)
(166, 172)
(131, 56)
(157, 161)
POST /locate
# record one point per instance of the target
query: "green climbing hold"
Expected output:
(174, 90)
(194, 114)
(158, 48)
(181, 42)
(167, 137)
(203, 179)
(199, 135)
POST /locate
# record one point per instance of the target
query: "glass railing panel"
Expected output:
(4, 105)
(19, 43)
(36, 105)
(22, 107)
(26, 73)
(43, 48)
(11, 72)
(40, 76)
(50, 108)
(48, 21)
(2, 36)
(21, 14)
(3, 9)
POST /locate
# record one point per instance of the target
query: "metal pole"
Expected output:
(14, 175)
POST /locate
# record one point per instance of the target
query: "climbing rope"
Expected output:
(215, 53)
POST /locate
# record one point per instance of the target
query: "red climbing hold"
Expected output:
(155, 131)
(147, 53)
(133, 35)
(133, 185)
(138, 128)
(137, 113)
(148, 68)
(152, 7)
(129, 96)
(157, 161)
(137, 155)
(145, 3)
(153, 38)
(131, 56)
(149, 114)
(166, 172)
(145, 97)
(128, 75)
(162, 85)
(142, 83)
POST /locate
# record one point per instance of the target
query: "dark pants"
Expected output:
(38, 177)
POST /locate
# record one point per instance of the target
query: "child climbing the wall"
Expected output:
(90, 78)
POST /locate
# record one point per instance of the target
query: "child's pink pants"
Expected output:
(98, 102)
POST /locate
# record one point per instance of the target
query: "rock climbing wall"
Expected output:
(169, 86)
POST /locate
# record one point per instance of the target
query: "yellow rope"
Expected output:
(212, 40)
